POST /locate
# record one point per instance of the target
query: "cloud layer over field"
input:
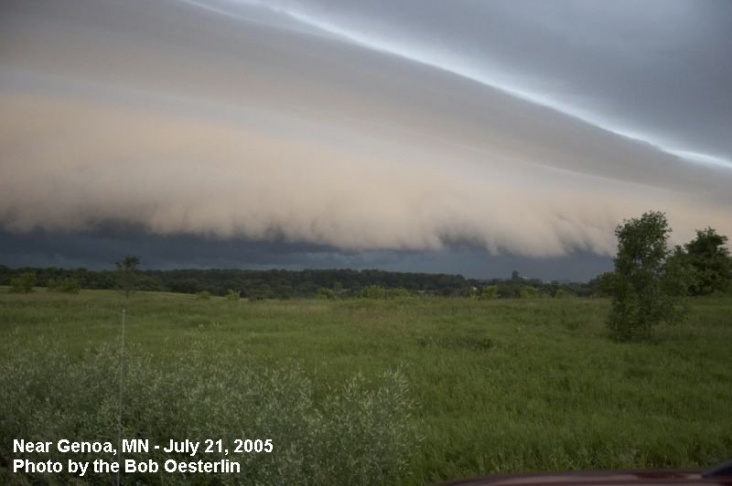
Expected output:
(527, 129)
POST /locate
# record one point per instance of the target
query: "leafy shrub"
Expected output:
(379, 292)
(529, 292)
(67, 285)
(326, 293)
(203, 295)
(399, 292)
(374, 292)
(232, 295)
(23, 283)
(489, 292)
(359, 433)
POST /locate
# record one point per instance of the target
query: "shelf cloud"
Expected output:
(527, 129)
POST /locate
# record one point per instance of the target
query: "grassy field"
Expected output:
(494, 386)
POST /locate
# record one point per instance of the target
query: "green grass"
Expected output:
(498, 386)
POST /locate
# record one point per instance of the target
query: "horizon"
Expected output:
(301, 270)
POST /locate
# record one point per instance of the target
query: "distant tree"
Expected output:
(641, 293)
(127, 275)
(603, 285)
(233, 295)
(186, 285)
(711, 262)
(5, 275)
(23, 283)
(148, 283)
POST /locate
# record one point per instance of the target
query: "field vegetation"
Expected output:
(405, 390)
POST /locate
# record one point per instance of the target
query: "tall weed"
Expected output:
(358, 434)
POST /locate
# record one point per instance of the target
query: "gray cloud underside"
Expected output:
(256, 125)
(99, 249)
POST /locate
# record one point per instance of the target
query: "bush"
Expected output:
(529, 292)
(358, 433)
(67, 285)
(489, 292)
(325, 293)
(203, 295)
(379, 292)
(398, 293)
(23, 283)
(232, 295)
(375, 292)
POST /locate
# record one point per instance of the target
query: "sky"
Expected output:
(456, 136)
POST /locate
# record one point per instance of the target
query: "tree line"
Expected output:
(285, 284)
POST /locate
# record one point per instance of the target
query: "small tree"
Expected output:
(233, 295)
(641, 287)
(711, 262)
(23, 283)
(127, 275)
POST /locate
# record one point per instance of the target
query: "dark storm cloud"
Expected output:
(99, 250)
(371, 129)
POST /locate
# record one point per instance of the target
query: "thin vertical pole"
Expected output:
(121, 395)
